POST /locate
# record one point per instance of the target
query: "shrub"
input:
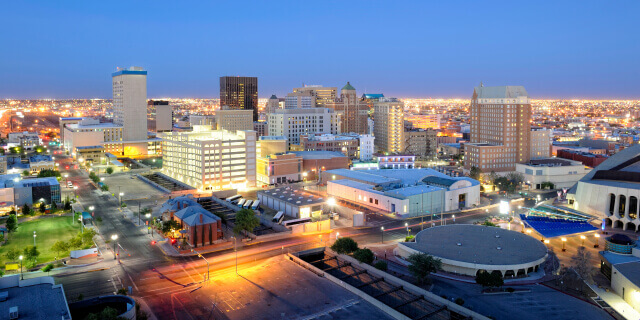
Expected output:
(381, 265)
(459, 301)
(345, 245)
(47, 268)
(409, 238)
(363, 255)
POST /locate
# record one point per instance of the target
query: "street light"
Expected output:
(148, 215)
(564, 240)
(582, 238)
(75, 191)
(382, 233)
(120, 197)
(597, 241)
(407, 226)
(34, 238)
(546, 241)
(21, 275)
(114, 237)
(454, 218)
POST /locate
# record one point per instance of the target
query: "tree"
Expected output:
(490, 280)
(26, 173)
(42, 207)
(344, 245)
(104, 187)
(12, 254)
(67, 204)
(26, 210)
(170, 225)
(87, 236)
(94, 177)
(54, 206)
(31, 252)
(12, 223)
(488, 224)
(75, 243)
(109, 170)
(47, 268)
(363, 255)
(474, 173)
(582, 265)
(246, 220)
(422, 264)
(13, 211)
(48, 173)
(1, 270)
(60, 247)
(381, 265)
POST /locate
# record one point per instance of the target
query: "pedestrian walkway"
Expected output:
(616, 302)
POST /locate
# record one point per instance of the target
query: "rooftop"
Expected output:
(479, 244)
(293, 196)
(553, 162)
(37, 299)
(501, 92)
(317, 155)
(631, 271)
(348, 86)
(40, 158)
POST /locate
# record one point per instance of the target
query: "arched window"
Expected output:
(633, 207)
(622, 205)
(612, 203)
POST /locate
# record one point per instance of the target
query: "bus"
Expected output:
(296, 221)
(236, 197)
(278, 217)
(255, 205)
(240, 203)
(247, 204)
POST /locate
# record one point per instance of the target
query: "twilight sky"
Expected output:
(439, 49)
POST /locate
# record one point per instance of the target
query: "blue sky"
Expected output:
(556, 49)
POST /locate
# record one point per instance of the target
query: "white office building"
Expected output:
(91, 132)
(130, 107)
(210, 159)
(562, 173)
(291, 123)
(25, 139)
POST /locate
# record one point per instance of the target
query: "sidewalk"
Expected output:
(616, 302)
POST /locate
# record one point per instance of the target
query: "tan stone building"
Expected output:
(421, 143)
(234, 120)
(354, 112)
(279, 168)
(388, 122)
(540, 143)
(500, 128)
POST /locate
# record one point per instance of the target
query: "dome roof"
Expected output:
(348, 86)
(621, 239)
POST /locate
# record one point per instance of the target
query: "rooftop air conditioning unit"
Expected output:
(13, 313)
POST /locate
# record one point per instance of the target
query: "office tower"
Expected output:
(354, 112)
(261, 128)
(292, 123)
(388, 122)
(322, 95)
(163, 115)
(423, 121)
(234, 120)
(500, 128)
(130, 103)
(273, 104)
(540, 143)
(299, 100)
(210, 159)
(240, 93)
(420, 142)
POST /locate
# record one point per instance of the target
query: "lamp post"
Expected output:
(120, 197)
(21, 275)
(382, 234)
(34, 238)
(564, 240)
(75, 191)
(337, 235)
(597, 241)
(407, 226)
(582, 238)
(454, 218)
(148, 215)
(114, 237)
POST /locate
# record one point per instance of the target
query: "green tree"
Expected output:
(12, 223)
(54, 206)
(364, 255)
(47, 268)
(488, 224)
(422, 264)
(31, 252)
(13, 211)
(170, 225)
(409, 238)
(12, 254)
(94, 177)
(104, 187)
(474, 173)
(60, 247)
(25, 173)
(345, 245)
(87, 236)
(122, 291)
(1, 270)
(246, 220)
(67, 204)
(42, 207)
(75, 243)
(109, 170)
(26, 210)
(48, 173)
(381, 265)
(486, 279)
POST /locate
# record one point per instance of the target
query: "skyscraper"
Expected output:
(354, 113)
(388, 122)
(130, 102)
(500, 128)
(322, 95)
(240, 93)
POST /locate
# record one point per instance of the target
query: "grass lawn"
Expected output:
(48, 231)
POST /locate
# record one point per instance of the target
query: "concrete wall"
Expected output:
(631, 291)
(82, 253)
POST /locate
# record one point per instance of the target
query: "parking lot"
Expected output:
(131, 186)
(166, 183)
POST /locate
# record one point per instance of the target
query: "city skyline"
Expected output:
(566, 53)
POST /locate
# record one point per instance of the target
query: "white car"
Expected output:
(69, 184)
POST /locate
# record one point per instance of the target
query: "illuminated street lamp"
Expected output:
(597, 241)
(564, 240)
(148, 215)
(382, 233)
(304, 175)
(407, 226)
(120, 197)
(114, 237)
(21, 275)
(582, 238)
(546, 241)
(454, 217)
(34, 238)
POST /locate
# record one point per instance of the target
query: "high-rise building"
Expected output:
(322, 95)
(273, 104)
(540, 143)
(388, 121)
(163, 115)
(292, 123)
(240, 93)
(130, 102)
(210, 159)
(298, 100)
(234, 120)
(354, 112)
(423, 121)
(500, 128)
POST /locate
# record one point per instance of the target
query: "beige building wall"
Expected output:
(540, 143)
(234, 120)
(389, 126)
(279, 168)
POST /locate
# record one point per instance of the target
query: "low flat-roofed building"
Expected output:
(25, 139)
(294, 203)
(395, 160)
(93, 154)
(625, 281)
(35, 299)
(3, 165)
(279, 168)
(562, 173)
(314, 162)
(38, 163)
